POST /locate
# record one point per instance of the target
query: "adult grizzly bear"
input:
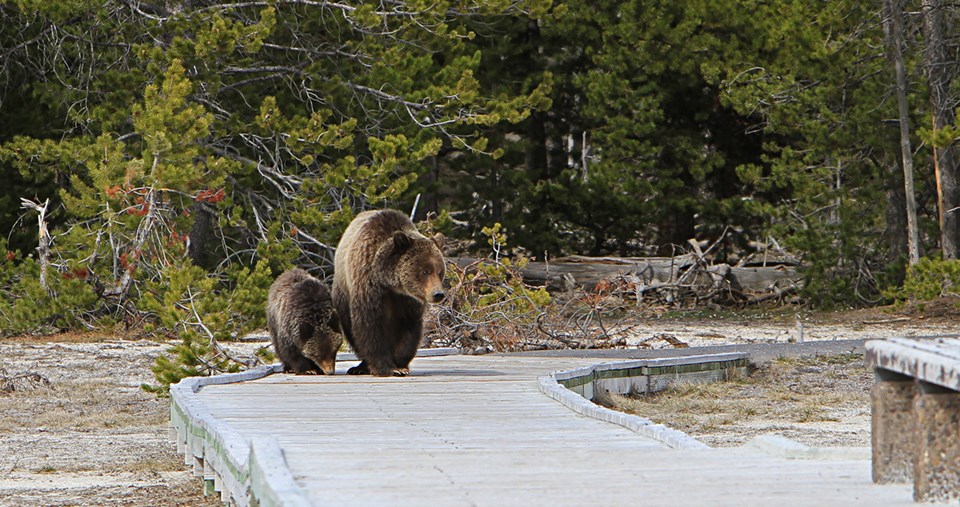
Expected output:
(385, 273)
(303, 324)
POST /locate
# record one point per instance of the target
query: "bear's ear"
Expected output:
(401, 241)
(334, 322)
(439, 240)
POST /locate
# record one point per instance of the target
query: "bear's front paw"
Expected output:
(360, 369)
(389, 371)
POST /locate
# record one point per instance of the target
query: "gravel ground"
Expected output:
(77, 429)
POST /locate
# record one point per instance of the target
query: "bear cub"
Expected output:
(385, 274)
(303, 325)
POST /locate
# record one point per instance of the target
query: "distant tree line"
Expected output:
(183, 153)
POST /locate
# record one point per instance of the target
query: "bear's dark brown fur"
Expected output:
(303, 324)
(385, 273)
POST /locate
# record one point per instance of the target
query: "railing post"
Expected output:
(936, 471)
(893, 435)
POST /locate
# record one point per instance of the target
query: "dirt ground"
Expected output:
(77, 430)
(818, 401)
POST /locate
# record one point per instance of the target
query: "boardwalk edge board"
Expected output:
(575, 388)
(240, 470)
(237, 468)
(936, 361)
(270, 479)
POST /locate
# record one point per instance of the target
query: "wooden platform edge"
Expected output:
(271, 481)
(917, 359)
(243, 472)
(553, 386)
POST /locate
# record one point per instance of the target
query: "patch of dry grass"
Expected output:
(88, 428)
(76, 405)
(785, 395)
(66, 337)
(170, 463)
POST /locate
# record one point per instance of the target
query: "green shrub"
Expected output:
(68, 302)
(193, 357)
(192, 304)
(929, 279)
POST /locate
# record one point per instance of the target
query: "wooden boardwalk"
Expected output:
(474, 431)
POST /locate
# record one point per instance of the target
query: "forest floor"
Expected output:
(76, 428)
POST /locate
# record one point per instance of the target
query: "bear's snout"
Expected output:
(438, 296)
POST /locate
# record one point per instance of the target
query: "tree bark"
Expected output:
(940, 77)
(896, 233)
(535, 158)
(201, 235)
(893, 35)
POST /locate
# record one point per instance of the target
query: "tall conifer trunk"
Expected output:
(893, 35)
(940, 75)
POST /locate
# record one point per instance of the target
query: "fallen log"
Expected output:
(586, 272)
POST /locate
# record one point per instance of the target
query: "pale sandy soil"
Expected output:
(77, 429)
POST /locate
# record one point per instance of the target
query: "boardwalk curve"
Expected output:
(468, 430)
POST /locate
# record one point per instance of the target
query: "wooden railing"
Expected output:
(916, 415)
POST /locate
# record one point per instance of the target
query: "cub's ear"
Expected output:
(401, 241)
(439, 240)
(334, 322)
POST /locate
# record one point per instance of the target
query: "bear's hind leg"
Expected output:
(388, 371)
(372, 345)
(363, 369)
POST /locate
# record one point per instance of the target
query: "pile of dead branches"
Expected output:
(490, 308)
(689, 280)
(592, 302)
(21, 381)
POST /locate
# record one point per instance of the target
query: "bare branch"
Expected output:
(43, 248)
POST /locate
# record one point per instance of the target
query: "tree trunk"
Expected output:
(898, 244)
(201, 235)
(430, 183)
(893, 35)
(535, 158)
(940, 76)
(676, 229)
(496, 202)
